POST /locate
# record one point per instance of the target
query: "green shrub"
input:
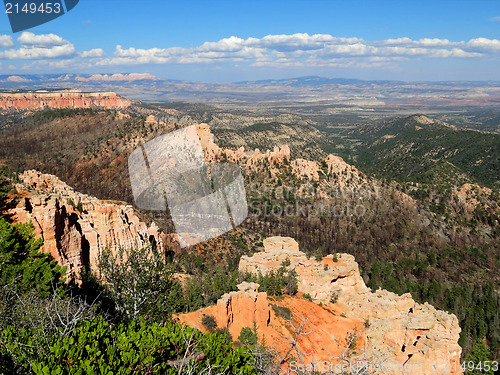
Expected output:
(248, 337)
(98, 347)
(209, 322)
(22, 265)
(292, 284)
(225, 332)
(274, 282)
(282, 311)
(5, 187)
(308, 297)
(141, 283)
(79, 207)
(334, 297)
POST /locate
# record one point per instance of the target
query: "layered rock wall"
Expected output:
(214, 153)
(399, 331)
(76, 227)
(61, 99)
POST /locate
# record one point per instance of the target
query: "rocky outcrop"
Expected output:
(325, 329)
(214, 153)
(318, 279)
(240, 309)
(397, 333)
(469, 197)
(61, 99)
(76, 227)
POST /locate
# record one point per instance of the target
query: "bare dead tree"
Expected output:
(299, 326)
(264, 357)
(46, 317)
(350, 361)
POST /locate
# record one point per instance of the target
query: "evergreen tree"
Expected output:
(141, 283)
(480, 357)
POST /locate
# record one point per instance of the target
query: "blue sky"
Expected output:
(246, 40)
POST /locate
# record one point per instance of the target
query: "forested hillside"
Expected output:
(417, 230)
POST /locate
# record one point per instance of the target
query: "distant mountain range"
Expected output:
(310, 91)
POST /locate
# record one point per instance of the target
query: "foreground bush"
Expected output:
(98, 347)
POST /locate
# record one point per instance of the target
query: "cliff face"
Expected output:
(324, 328)
(393, 331)
(318, 279)
(61, 99)
(214, 153)
(75, 237)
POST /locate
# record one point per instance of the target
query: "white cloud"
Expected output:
(6, 41)
(495, 19)
(43, 40)
(33, 53)
(300, 49)
(403, 40)
(483, 43)
(96, 52)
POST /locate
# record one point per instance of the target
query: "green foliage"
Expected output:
(455, 153)
(225, 332)
(5, 187)
(291, 287)
(51, 114)
(70, 202)
(275, 282)
(79, 207)
(206, 288)
(307, 296)
(475, 306)
(248, 337)
(479, 356)
(98, 347)
(334, 297)
(209, 322)
(27, 278)
(23, 265)
(282, 311)
(141, 283)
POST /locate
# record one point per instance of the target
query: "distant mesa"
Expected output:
(117, 77)
(44, 99)
(17, 79)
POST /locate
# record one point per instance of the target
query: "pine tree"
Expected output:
(480, 357)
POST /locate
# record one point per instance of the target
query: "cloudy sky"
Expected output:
(235, 40)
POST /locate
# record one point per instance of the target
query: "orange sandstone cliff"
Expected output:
(75, 227)
(393, 332)
(61, 99)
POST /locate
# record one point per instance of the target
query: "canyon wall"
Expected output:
(394, 332)
(76, 227)
(61, 99)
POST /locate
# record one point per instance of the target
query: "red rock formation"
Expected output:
(75, 238)
(395, 333)
(214, 153)
(240, 309)
(61, 99)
